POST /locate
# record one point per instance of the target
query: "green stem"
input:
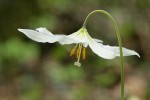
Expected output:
(119, 42)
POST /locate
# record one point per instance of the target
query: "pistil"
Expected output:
(77, 63)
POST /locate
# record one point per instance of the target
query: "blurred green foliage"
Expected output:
(36, 71)
(17, 50)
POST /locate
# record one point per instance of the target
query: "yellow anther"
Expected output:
(73, 51)
(84, 53)
(79, 50)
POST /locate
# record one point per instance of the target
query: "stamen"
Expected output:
(78, 51)
(84, 53)
(73, 50)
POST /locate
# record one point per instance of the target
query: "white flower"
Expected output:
(82, 39)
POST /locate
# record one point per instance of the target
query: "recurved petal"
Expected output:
(43, 35)
(126, 52)
(101, 51)
(40, 35)
(110, 52)
(64, 39)
(43, 30)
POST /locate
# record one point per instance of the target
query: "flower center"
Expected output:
(80, 50)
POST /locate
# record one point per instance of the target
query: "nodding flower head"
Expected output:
(81, 39)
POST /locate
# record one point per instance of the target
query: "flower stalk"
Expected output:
(119, 42)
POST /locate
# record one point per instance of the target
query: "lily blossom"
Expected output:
(81, 39)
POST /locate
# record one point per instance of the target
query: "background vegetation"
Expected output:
(36, 71)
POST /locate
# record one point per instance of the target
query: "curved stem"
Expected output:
(119, 42)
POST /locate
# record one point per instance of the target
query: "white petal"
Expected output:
(99, 49)
(110, 52)
(78, 36)
(43, 35)
(126, 52)
(43, 30)
(63, 39)
(106, 51)
(39, 36)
